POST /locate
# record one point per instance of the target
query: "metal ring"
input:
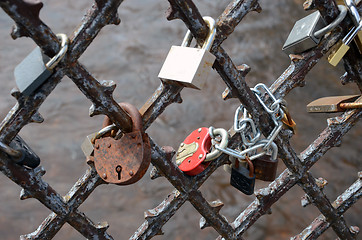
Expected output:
(223, 144)
(354, 11)
(52, 63)
(209, 39)
(343, 12)
(103, 131)
(10, 151)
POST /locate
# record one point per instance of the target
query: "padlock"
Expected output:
(243, 179)
(265, 167)
(36, 68)
(308, 31)
(335, 104)
(125, 160)
(341, 48)
(194, 153)
(352, 9)
(21, 153)
(189, 67)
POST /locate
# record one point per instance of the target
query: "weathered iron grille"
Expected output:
(103, 12)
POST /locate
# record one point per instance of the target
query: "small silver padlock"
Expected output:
(189, 67)
(308, 31)
(36, 68)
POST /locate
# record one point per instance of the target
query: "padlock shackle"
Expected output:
(353, 11)
(209, 39)
(223, 144)
(351, 34)
(10, 151)
(251, 166)
(137, 123)
(52, 63)
(343, 12)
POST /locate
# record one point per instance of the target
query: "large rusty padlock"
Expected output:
(125, 160)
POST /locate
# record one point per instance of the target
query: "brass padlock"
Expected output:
(342, 47)
(308, 31)
(335, 104)
(189, 67)
(125, 160)
(36, 68)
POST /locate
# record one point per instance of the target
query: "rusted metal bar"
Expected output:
(342, 204)
(85, 38)
(320, 200)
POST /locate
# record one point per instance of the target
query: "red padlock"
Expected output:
(192, 152)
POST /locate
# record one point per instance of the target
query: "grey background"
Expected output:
(132, 54)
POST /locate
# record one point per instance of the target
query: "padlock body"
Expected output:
(87, 145)
(28, 156)
(337, 53)
(265, 168)
(241, 180)
(131, 154)
(301, 38)
(32, 72)
(192, 152)
(187, 67)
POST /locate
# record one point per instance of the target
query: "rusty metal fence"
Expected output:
(103, 12)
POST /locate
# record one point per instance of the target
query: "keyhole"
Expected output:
(118, 170)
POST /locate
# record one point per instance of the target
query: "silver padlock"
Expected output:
(36, 68)
(189, 67)
(308, 31)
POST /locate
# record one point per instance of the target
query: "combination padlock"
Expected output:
(36, 68)
(189, 67)
(125, 160)
(266, 166)
(21, 153)
(242, 178)
(194, 153)
(308, 31)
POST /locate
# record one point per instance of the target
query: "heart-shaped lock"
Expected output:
(123, 161)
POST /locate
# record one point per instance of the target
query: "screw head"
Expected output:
(200, 156)
(199, 130)
(131, 173)
(182, 144)
(104, 175)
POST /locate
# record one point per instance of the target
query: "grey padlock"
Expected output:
(308, 31)
(36, 68)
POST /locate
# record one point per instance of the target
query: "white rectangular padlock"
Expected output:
(189, 67)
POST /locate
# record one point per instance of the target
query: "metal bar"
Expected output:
(342, 204)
